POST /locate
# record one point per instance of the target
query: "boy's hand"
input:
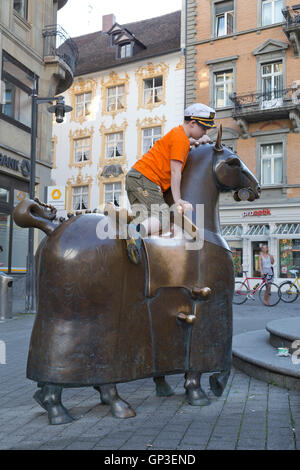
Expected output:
(184, 206)
(203, 140)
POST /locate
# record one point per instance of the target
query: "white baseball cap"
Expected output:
(201, 113)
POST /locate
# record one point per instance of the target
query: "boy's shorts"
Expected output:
(148, 196)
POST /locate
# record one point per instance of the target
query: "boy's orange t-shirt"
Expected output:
(156, 165)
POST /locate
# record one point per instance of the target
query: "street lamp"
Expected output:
(59, 109)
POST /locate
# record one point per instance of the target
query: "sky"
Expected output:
(85, 16)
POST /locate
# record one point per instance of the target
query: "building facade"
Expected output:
(243, 59)
(29, 60)
(127, 93)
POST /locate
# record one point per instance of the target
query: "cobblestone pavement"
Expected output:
(250, 414)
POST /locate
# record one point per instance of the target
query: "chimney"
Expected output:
(107, 22)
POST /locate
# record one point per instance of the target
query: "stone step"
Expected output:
(253, 354)
(284, 332)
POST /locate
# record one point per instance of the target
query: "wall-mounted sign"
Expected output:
(257, 213)
(16, 165)
(56, 195)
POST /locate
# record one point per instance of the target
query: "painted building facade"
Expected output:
(128, 92)
(243, 59)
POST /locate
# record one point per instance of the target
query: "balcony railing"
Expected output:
(291, 27)
(57, 43)
(273, 104)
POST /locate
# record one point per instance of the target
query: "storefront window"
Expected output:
(4, 241)
(13, 239)
(237, 256)
(289, 254)
(19, 249)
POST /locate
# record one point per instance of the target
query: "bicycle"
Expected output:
(267, 290)
(289, 290)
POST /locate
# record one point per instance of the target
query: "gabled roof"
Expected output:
(160, 35)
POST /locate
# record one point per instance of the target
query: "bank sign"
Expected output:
(56, 195)
(16, 165)
(257, 213)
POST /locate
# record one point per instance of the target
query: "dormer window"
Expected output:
(125, 42)
(125, 50)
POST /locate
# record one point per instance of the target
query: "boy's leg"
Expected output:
(146, 199)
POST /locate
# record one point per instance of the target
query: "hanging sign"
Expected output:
(56, 196)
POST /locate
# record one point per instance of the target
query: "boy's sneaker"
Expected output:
(134, 244)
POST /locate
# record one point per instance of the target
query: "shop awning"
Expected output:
(287, 229)
(255, 230)
(232, 231)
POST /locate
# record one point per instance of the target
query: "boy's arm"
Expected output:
(176, 166)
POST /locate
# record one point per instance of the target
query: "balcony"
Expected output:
(267, 106)
(61, 3)
(291, 27)
(60, 51)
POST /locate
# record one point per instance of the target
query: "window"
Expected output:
(150, 136)
(83, 103)
(81, 150)
(237, 257)
(114, 145)
(80, 198)
(18, 83)
(271, 12)
(289, 254)
(112, 193)
(224, 14)
(21, 7)
(13, 239)
(272, 84)
(271, 164)
(153, 89)
(125, 50)
(223, 88)
(115, 98)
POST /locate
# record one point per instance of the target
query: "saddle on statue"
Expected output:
(123, 222)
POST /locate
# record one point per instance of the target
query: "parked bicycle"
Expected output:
(268, 291)
(289, 290)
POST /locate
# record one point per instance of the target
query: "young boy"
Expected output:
(161, 168)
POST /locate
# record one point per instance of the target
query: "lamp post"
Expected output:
(59, 109)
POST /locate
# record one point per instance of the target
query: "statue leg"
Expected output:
(49, 397)
(163, 389)
(195, 395)
(109, 396)
(218, 382)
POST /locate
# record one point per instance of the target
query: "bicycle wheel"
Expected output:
(269, 294)
(240, 293)
(288, 292)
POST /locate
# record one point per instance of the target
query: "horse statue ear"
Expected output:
(218, 147)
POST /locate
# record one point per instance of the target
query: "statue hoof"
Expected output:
(163, 389)
(122, 410)
(197, 398)
(218, 382)
(57, 414)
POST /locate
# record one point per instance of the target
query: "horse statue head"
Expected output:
(232, 174)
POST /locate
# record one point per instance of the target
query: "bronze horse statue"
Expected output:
(102, 320)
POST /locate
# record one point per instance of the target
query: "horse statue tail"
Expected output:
(33, 213)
